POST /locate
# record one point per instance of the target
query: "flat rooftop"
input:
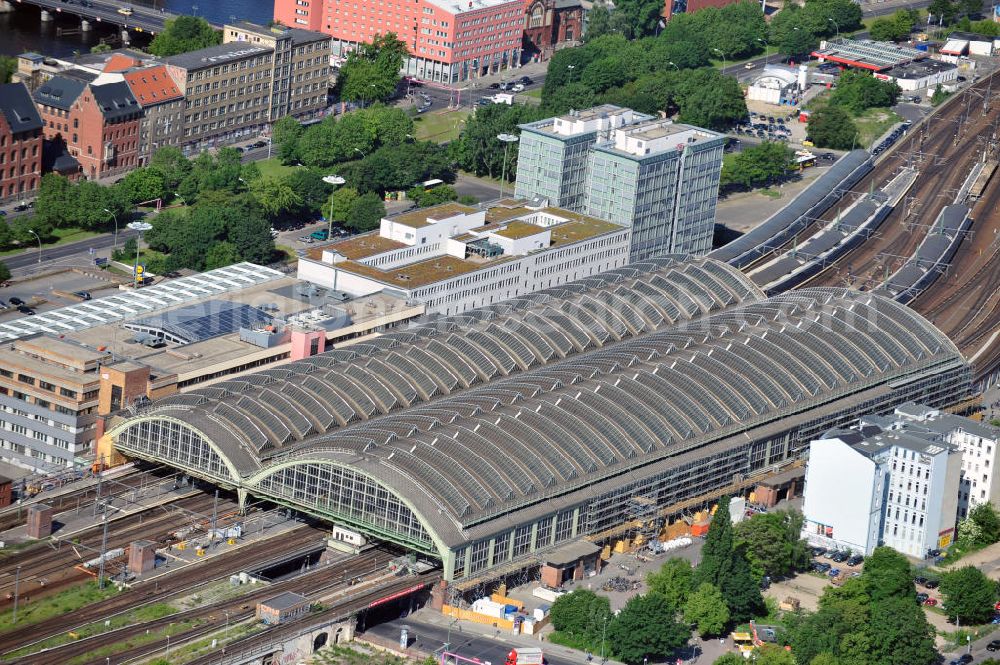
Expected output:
(867, 54)
(919, 69)
(420, 273)
(517, 229)
(423, 216)
(356, 248)
(216, 55)
(594, 112)
(459, 7)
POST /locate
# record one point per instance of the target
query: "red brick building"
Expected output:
(549, 23)
(20, 142)
(99, 124)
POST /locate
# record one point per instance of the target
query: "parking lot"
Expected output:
(49, 292)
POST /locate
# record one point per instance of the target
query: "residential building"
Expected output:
(551, 23)
(978, 443)
(20, 142)
(448, 40)
(659, 177)
(115, 352)
(300, 66)
(454, 257)
(227, 92)
(162, 104)
(883, 482)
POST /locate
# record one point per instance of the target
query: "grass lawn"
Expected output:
(111, 649)
(64, 602)
(534, 92)
(873, 123)
(62, 236)
(139, 615)
(439, 127)
(273, 168)
(289, 252)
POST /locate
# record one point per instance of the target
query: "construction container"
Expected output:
(700, 528)
(489, 608)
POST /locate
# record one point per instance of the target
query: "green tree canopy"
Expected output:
(893, 28)
(791, 32)
(717, 550)
(858, 91)
(478, 150)
(672, 581)
(285, 134)
(986, 518)
(275, 196)
(832, 127)
(366, 212)
(968, 595)
(4, 271)
(371, 72)
(141, 185)
(706, 609)
(340, 203)
(184, 34)
(431, 197)
(646, 628)
(637, 18)
(172, 164)
(754, 166)
(583, 613)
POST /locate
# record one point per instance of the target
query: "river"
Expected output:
(24, 31)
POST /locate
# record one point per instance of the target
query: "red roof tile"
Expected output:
(119, 63)
(153, 85)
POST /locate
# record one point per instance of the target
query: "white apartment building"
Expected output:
(454, 257)
(978, 443)
(888, 481)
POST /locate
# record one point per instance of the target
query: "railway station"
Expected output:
(487, 439)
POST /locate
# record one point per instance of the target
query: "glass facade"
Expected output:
(172, 442)
(347, 495)
(554, 168)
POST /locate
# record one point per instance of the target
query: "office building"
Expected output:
(448, 40)
(20, 142)
(656, 176)
(162, 104)
(454, 257)
(883, 482)
(63, 371)
(300, 66)
(227, 92)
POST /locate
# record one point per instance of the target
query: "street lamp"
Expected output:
(116, 226)
(507, 140)
(336, 181)
(766, 54)
(141, 227)
(836, 25)
(178, 195)
(674, 64)
(447, 645)
(723, 59)
(360, 152)
(39, 244)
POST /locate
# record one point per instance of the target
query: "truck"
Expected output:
(502, 98)
(525, 656)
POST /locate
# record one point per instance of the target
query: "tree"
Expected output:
(707, 610)
(893, 28)
(832, 127)
(730, 659)
(939, 95)
(276, 197)
(128, 251)
(770, 654)
(55, 204)
(899, 633)
(608, 72)
(646, 628)
(285, 134)
(172, 165)
(598, 22)
(8, 65)
(340, 203)
(141, 185)
(887, 574)
(858, 91)
(986, 518)
(791, 32)
(717, 551)
(477, 148)
(582, 613)
(637, 18)
(672, 581)
(93, 200)
(371, 72)
(943, 11)
(576, 95)
(184, 34)
(740, 587)
(4, 272)
(220, 255)
(101, 48)
(309, 187)
(435, 196)
(968, 595)
(754, 166)
(366, 212)
(717, 105)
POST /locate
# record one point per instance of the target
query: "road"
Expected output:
(142, 19)
(71, 250)
(428, 637)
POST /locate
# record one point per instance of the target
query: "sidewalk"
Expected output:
(429, 616)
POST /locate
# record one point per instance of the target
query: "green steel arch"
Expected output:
(436, 547)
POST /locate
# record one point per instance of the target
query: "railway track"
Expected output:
(53, 567)
(266, 641)
(943, 161)
(208, 618)
(184, 581)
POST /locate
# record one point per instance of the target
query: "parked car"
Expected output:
(833, 572)
(854, 560)
(125, 11)
(15, 301)
(517, 87)
(818, 551)
(23, 309)
(930, 602)
(525, 80)
(84, 295)
(993, 646)
(931, 584)
(20, 207)
(3, 305)
(921, 597)
(821, 567)
(494, 86)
